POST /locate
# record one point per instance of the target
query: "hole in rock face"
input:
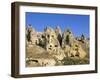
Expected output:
(50, 48)
(72, 55)
(77, 54)
(76, 45)
(69, 32)
(52, 35)
(56, 45)
(43, 36)
(50, 45)
(35, 61)
(48, 36)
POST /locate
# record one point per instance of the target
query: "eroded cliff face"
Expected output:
(53, 47)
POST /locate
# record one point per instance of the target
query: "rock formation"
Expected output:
(59, 34)
(52, 43)
(52, 47)
(67, 38)
(31, 35)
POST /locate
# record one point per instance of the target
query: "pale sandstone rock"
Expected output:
(67, 38)
(51, 46)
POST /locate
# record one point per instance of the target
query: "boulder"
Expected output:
(77, 52)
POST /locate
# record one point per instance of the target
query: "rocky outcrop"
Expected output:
(67, 38)
(59, 34)
(52, 43)
(52, 46)
(31, 36)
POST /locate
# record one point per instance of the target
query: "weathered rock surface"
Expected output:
(52, 47)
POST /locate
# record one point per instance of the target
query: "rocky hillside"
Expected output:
(53, 47)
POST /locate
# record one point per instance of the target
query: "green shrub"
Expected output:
(69, 61)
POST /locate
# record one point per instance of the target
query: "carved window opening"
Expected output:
(56, 45)
(52, 35)
(50, 45)
(43, 36)
(72, 55)
(48, 36)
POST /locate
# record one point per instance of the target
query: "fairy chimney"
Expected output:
(31, 35)
(59, 34)
(52, 42)
(67, 38)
